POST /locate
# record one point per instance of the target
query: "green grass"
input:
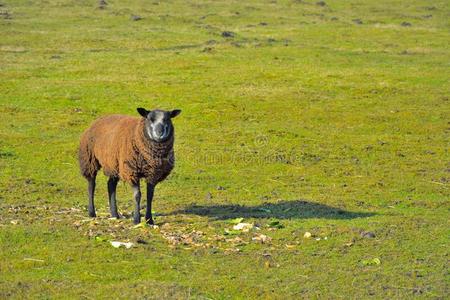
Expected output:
(329, 119)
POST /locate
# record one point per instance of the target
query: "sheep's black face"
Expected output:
(158, 123)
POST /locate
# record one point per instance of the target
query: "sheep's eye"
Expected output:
(152, 119)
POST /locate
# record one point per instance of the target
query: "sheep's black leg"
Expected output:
(137, 199)
(148, 212)
(112, 184)
(91, 190)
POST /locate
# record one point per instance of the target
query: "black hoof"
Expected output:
(150, 222)
(92, 214)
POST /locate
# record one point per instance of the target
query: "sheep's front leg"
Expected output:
(91, 190)
(112, 185)
(148, 212)
(137, 199)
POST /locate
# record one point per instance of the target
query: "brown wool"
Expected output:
(120, 146)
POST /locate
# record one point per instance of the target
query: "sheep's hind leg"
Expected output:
(137, 198)
(91, 190)
(148, 212)
(112, 185)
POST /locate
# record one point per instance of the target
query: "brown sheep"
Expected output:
(128, 148)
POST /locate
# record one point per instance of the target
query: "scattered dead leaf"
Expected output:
(262, 238)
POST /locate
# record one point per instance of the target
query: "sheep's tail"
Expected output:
(89, 164)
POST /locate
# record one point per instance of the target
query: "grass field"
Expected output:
(298, 116)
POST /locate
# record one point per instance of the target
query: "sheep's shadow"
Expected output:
(296, 209)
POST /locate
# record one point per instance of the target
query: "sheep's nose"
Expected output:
(159, 130)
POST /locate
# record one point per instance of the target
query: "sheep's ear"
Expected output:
(175, 113)
(143, 112)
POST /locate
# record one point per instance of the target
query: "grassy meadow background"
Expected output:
(298, 116)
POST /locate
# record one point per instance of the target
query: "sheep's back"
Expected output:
(109, 139)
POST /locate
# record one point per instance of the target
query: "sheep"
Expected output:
(128, 148)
